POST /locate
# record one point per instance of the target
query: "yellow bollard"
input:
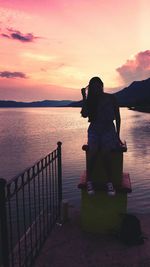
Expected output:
(100, 213)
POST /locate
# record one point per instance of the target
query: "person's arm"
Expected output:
(117, 116)
(84, 110)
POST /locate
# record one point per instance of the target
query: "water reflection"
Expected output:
(137, 158)
(34, 132)
(141, 139)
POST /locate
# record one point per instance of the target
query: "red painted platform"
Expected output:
(125, 184)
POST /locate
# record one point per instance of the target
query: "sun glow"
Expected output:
(39, 57)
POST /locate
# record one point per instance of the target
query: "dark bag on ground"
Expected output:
(130, 231)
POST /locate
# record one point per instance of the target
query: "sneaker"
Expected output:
(110, 189)
(90, 188)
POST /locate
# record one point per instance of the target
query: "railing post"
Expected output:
(59, 175)
(4, 254)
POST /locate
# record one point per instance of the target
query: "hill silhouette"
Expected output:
(136, 94)
(44, 103)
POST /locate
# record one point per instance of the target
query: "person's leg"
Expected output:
(91, 158)
(108, 143)
(107, 163)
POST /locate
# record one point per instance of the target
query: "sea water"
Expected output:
(28, 134)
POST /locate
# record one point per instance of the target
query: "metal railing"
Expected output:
(30, 205)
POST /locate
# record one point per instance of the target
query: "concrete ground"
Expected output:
(69, 246)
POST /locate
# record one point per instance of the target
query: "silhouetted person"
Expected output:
(102, 110)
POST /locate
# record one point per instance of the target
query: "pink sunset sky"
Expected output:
(51, 48)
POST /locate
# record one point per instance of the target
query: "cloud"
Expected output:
(9, 74)
(17, 35)
(137, 68)
(5, 35)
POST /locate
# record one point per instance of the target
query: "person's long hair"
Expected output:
(95, 90)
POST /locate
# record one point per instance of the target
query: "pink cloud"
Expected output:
(137, 68)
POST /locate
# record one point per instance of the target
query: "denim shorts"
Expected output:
(104, 138)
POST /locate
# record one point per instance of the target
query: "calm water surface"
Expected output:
(27, 134)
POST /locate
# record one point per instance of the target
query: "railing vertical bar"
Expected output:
(57, 186)
(18, 223)
(10, 229)
(53, 184)
(50, 190)
(59, 175)
(52, 208)
(24, 217)
(39, 204)
(43, 206)
(46, 182)
(35, 208)
(30, 216)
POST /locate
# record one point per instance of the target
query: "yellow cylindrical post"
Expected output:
(100, 213)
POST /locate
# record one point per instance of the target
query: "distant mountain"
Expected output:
(136, 94)
(75, 104)
(44, 103)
